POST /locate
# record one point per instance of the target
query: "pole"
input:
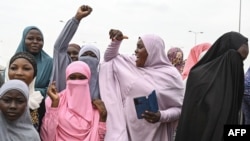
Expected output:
(240, 16)
(195, 35)
(195, 38)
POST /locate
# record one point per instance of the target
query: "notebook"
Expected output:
(146, 103)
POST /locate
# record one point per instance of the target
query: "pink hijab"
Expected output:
(77, 118)
(194, 57)
(121, 81)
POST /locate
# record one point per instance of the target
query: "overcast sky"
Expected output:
(171, 19)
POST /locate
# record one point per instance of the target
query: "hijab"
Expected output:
(93, 63)
(177, 61)
(76, 46)
(22, 128)
(43, 60)
(195, 54)
(35, 97)
(214, 91)
(76, 121)
(121, 81)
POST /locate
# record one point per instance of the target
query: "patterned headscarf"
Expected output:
(26, 56)
(175, 55)
(76, 46)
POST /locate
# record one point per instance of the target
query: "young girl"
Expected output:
(15, 118)
(70, 114)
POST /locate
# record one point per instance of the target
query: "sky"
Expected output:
(170, 19)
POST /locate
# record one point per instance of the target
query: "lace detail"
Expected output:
(35, 118)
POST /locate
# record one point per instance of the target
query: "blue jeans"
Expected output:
(246, 108)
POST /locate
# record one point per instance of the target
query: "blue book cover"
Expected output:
(146, 103)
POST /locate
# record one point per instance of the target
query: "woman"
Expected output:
(32, 42)
(61, 59)
(90, 54)
(124, 78)
(214, 90)
(23, 66)
(73, 51)
(246, 99)
(66, 118)
(15, 119)
(175, 55)
(195, 54)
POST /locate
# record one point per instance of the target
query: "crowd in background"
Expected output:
(74, 96)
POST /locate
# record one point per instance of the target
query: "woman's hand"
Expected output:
(99, 105)
(115, 34)
(82, 12)
(151, 117)
(52, 92)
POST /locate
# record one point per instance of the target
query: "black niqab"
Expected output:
(214, 91)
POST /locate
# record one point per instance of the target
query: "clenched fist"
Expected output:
(115, 34)
(83, 11)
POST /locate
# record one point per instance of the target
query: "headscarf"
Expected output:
(70, 110)
(194, 56)
(35, 97)
(214, 91)
(177, 61)
(94, 68)
(121, 81)
(76, 46)
(43, 60)
(22, 128)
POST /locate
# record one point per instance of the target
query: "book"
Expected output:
(146, 103)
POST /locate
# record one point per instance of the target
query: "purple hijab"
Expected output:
(126, 81)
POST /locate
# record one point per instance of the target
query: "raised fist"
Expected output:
(83, 11)
(115, 34)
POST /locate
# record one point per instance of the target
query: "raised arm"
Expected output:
(50, 120)
(60, 58)
(116, 37)
(70, 28)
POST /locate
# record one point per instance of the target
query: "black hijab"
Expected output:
(214, 91)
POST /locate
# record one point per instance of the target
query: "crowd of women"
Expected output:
(75, 97)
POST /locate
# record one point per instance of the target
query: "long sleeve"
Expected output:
(171, 114)
(102, 130)
(112, 50)
(49, 126)
(60, 57)
(247, 83)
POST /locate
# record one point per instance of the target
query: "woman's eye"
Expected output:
(39, 39)
(30, 38)
(6, 100)
(93, 55)
(82, 77)
(20, 101)
(27, 69)
(72, 77)
(13, 68)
